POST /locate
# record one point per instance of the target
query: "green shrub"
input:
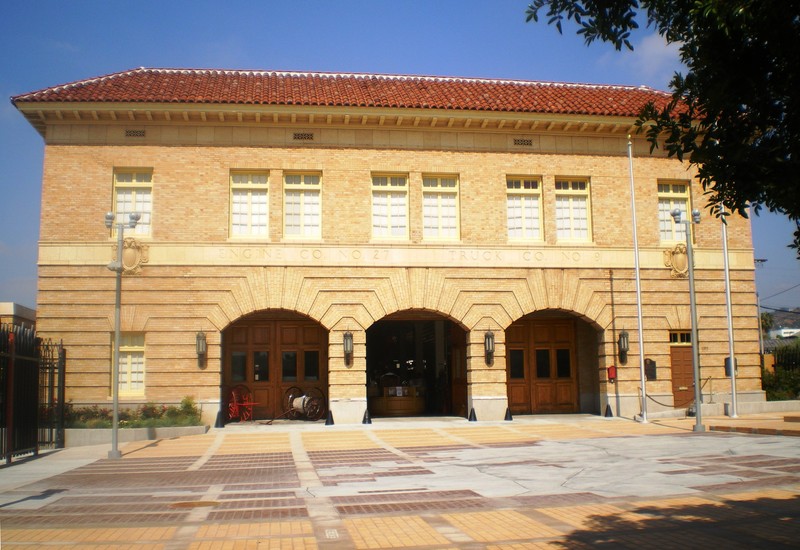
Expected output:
(151, 411)
(784, 385)
(189, 407)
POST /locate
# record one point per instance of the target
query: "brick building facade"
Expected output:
(282, 213)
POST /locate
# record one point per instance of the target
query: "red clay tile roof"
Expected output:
(197, 86)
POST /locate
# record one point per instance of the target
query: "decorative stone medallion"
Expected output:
(678, 260)
(134, 254)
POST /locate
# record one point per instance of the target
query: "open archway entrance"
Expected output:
(552, 364)
(416, 366)
(269, 353)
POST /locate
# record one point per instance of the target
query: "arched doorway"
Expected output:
(270, 352)
(551, 364)
(416, 366)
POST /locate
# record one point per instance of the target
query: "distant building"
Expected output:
(783, 332)
(15, 314)
(471, 238)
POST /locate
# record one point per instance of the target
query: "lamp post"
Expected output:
(676, 215)
(118, 268)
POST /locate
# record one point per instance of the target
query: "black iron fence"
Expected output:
(31, 393)
(787, 357)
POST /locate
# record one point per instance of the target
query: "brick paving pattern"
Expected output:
(504, 486)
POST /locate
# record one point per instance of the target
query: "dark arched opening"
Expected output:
(416, 366)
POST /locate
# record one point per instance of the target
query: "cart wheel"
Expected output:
(288, 399)
(317, 395)
(316, 392)
(238, 396)
(233, 409)
(315, 408)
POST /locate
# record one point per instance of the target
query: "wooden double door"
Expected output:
(542, 373)
(271, 356)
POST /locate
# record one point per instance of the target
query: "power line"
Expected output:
(781, 292)
(789, 311)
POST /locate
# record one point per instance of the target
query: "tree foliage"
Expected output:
(767, 322)
(735, 114)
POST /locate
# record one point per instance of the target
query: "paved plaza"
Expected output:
(534, 482)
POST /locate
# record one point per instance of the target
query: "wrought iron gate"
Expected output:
(31, 393)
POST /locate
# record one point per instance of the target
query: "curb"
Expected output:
(756, 431)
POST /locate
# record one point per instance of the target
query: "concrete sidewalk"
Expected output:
(535, 482)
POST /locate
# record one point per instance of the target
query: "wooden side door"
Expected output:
(682, 376)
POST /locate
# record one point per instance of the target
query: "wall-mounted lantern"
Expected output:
(488, 346)
(347, 345)
(623, 345)
(201, 347)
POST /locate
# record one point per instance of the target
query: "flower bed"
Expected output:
(149, 415)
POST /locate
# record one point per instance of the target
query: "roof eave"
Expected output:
(42, 113)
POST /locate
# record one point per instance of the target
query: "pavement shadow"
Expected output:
(759, 523)
(44, 495)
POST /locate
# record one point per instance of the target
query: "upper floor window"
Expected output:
(131, 364)
(672, 195)
(523, 208)
(249, 200)
(133, 192)
(573, 210)
(302, 206)
(440, 207)
(390, 207)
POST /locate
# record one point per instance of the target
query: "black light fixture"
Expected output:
(623, 345)
(201, 347)
(347, 344)
(488, 346)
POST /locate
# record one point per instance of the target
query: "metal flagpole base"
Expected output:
(114, 454)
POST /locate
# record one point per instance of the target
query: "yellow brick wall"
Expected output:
(200, 279)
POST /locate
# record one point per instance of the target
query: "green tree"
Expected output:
(767, 322)
(735, 114)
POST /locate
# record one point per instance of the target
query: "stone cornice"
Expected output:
(386, 256)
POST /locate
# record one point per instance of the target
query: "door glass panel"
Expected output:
(289, 366)
(517, 364)
(261, 365)
(311, 365)
(542, 363)
(563, 367)
(238, 366)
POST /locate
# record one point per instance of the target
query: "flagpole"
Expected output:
(638, 286)
(732, 357)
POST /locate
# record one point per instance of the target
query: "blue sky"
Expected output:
(45, 43)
